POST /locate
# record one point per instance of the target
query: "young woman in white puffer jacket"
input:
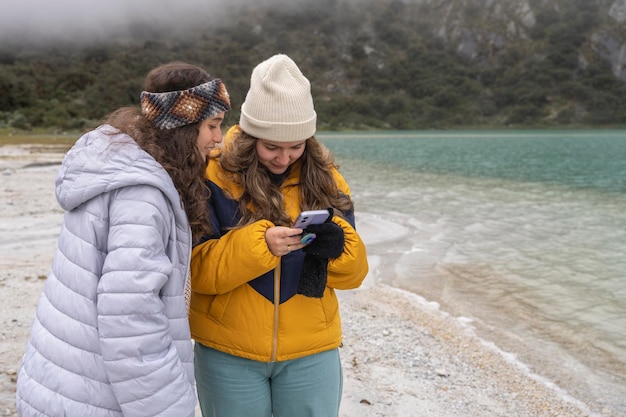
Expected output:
(110, 336)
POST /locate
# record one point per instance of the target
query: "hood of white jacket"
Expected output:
(103, 160)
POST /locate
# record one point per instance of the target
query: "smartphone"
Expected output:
(311, 217)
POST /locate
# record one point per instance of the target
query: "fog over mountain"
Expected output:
(390, 64)
(74, 20)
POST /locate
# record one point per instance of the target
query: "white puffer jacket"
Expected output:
(111, 335)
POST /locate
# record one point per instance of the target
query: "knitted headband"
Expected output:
(178, 108)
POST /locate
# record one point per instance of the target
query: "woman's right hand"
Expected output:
(281, 240)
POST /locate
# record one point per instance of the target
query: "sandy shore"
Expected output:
(402, 356)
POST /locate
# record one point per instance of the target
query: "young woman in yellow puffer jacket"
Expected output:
(264, 313)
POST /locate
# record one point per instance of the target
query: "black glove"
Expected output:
(313, 276)
(329, 240)
(328, 244)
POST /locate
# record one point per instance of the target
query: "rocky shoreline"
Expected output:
(402, 356)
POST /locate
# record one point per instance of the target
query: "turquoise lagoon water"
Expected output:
(522, 232)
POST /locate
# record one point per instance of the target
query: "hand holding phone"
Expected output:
(329, 240)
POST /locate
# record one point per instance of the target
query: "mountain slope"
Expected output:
(386, 64)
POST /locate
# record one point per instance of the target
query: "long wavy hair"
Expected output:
(317, 186)
(175, 149)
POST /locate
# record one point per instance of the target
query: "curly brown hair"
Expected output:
(175, 149)
(318, 188)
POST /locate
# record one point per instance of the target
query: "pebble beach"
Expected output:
(402, 355)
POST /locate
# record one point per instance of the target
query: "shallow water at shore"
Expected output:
(535, 263)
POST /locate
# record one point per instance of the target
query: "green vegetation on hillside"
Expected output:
(373, 64)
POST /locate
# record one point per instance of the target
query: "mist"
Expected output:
(97, 20)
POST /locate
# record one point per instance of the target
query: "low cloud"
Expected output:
(75, 20)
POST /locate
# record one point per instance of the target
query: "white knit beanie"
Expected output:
(279, 105)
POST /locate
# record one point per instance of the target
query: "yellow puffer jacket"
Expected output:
(243, 298)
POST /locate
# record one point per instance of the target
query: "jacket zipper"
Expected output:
(276, 304)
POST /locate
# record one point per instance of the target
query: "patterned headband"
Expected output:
(179, 108)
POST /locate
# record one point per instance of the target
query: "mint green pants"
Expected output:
(230, 386)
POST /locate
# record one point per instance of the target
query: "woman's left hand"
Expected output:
(281, 240)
